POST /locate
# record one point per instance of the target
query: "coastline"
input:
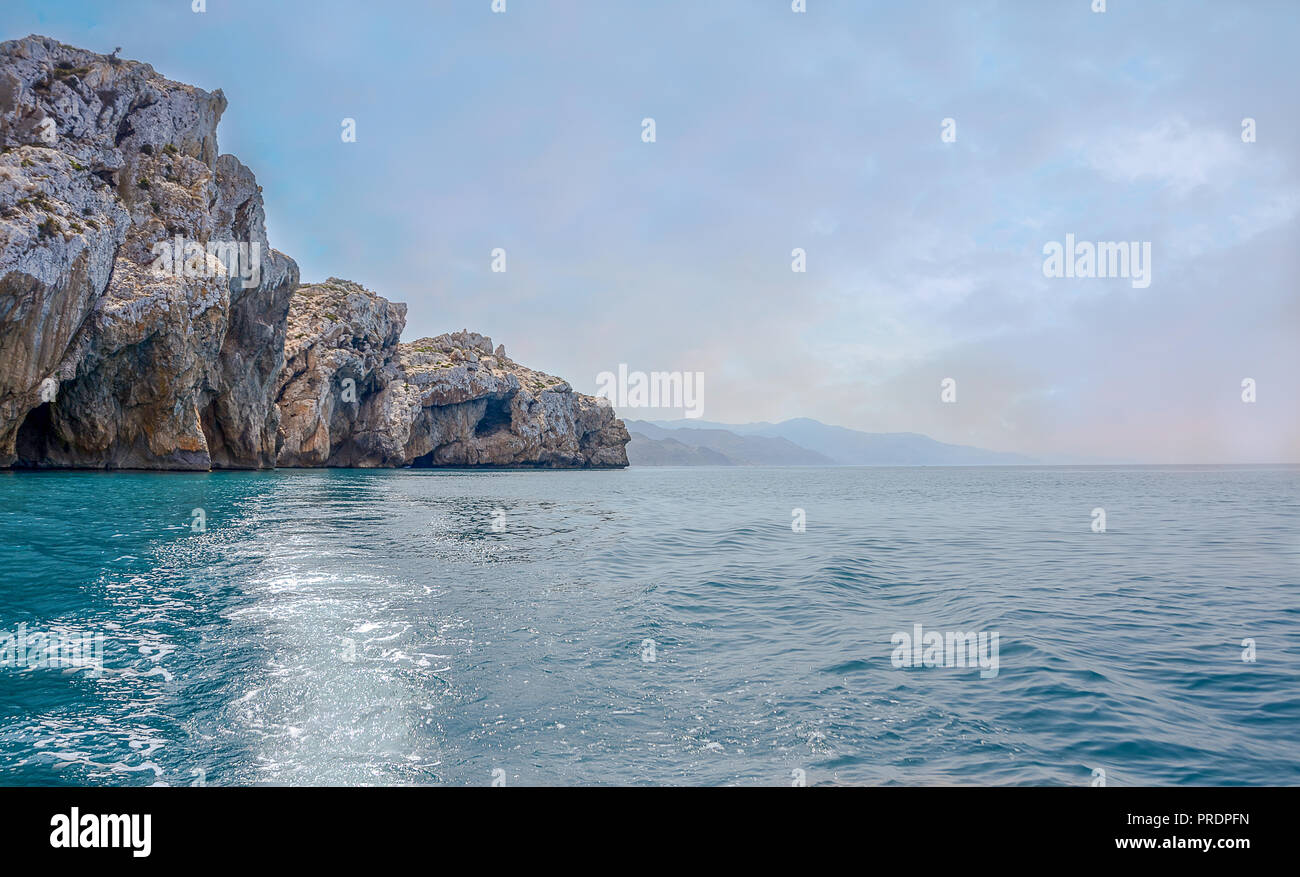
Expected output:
(155, 327)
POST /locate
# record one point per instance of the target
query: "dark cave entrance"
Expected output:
(213, 434)
(35, 436)
(496, 416)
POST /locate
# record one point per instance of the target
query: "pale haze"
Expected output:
(777, 130)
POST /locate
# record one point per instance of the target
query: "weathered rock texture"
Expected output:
(351, 395)
(106, 361)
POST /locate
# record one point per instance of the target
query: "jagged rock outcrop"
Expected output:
(145, 321)
(338, 359)
(351, 395)
(111, 355)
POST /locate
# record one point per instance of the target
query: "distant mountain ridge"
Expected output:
(646, 451)
(720, 444)
(801, 441)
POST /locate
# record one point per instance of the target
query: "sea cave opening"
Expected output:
(35, 435)
(495, 417)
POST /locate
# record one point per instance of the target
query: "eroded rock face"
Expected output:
(351, 395)
(105, 359)
(145, 320)
(338, 357)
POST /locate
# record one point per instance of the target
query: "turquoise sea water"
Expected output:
(376, 627)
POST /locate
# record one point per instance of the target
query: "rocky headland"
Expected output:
(145, 321)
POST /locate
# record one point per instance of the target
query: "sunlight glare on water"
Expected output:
(372, 627)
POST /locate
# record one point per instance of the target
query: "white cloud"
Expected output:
(1172, 152)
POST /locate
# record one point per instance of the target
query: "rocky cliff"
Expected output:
(143, 314)
(351, 395)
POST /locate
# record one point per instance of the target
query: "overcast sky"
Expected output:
(777, 130)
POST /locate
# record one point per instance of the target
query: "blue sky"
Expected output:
(778, 130)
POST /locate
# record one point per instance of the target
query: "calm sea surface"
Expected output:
(377, 627)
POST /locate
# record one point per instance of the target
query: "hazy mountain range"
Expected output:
(798, 442)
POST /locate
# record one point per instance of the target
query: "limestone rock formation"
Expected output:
(338, 358)
(111, 356)
(351, 395)
(145, 321)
